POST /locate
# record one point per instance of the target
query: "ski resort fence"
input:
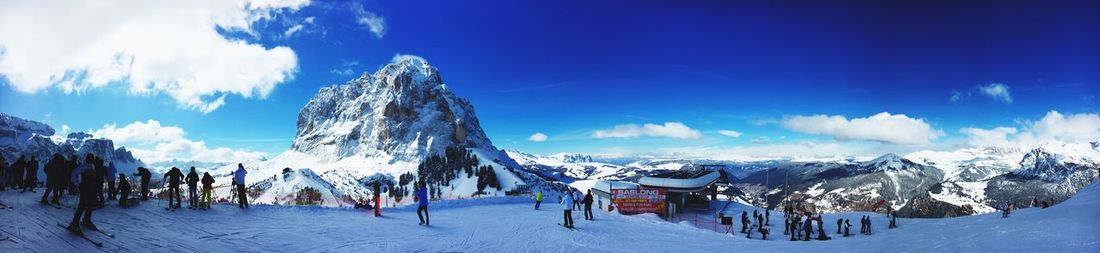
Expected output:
(703, 221)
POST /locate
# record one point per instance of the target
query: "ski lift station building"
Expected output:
(686, 189)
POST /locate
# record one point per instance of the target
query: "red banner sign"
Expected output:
(635, 201)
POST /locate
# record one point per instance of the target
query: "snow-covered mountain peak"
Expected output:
(888, 161)
(402, 111)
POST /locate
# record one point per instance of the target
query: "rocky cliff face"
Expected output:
(403, 111)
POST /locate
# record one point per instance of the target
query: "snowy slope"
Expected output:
(511, 225)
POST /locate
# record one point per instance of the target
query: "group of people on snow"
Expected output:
(571, 200)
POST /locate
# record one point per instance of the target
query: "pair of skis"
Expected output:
(85, 236)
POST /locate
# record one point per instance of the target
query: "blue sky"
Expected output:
(571, 69)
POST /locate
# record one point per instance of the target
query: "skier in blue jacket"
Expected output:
(422, 200)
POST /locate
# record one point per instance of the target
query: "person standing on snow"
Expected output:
(377, 199)
(238, 177)
(145, 175)
(847, 227)
(744, 222)
(111, 171)
(173, 177)
(588, 206)
(839, 225)
(3, 173)
(538, 200)
(422, 202)
(192, 188)
(577, 199)
(53, 170)
(207, 187)
(85, 177)
(32, 175)
(808, 226)
(124, 189)
(567, 203)
(15, 173)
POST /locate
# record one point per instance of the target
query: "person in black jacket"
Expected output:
(124, 188)
(53, 170)
(32, 175)
(3, 173)
(847, 227)
(145, 175)
(173, 177)
(839, 225)
(15, 173)
(85, 176)
(588, 206)
(192, 188)
(70, 166)
(101, 177)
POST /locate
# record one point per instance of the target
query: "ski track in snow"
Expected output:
(511, 225)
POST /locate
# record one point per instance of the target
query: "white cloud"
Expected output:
(537, 137)
(139, 132)
(730, 133)
(374, 22)
(883, 127)
(152, 142)
(956, 96)
(675, 130)
(989, 137)
(292, 30)
(1052, 127)
(154, 46)
(997, 91)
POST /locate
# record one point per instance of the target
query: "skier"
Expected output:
(793, 227)
(796, 225)
(422, 201)
(1004, 209)
(377, 199)
(242, 195)
(145, 175)
(808, 226)
(868, 225)
(192, 188)
(847, 227)
(863, 224)
(15, 172)
(744, 221)
(3, 173)
(53, 170)
(86, 178)
(767, 216)
(65, 181)
(576, 199)
(821, 229)
(111, 171)
(588, 206)
(786, 226)
(32, 175)
(1034, 202)
(101, 177)
(124, 188)
(173, 177)
(839, 223)
(207, 187)
(538, 200)
(567, 204)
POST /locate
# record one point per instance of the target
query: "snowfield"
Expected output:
(509, 224)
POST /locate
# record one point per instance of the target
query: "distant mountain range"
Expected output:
(20, 137)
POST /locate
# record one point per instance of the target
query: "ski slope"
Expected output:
(509, 224)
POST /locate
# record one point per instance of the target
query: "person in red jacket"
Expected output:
(377, 200)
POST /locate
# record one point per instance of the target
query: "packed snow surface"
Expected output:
(510, 224)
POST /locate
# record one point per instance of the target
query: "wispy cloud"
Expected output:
(730, 133)
(537, 137)
(153, 142)
(996, 91)
(674, 130)
(374, 22)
